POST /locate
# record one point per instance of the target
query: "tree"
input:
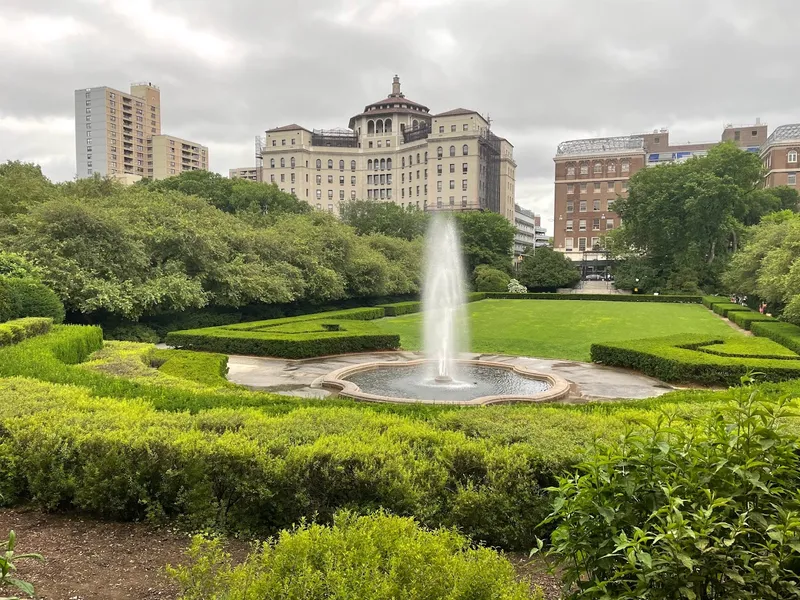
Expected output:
(487, 239)
(231, 195)
(368, 216)
(547, 270)
(22, 186)
(488, 279)
(768, 267)
(686, 219)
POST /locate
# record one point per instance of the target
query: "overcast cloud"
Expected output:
(543, 70)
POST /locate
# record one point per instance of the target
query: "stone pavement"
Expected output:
(299, 377)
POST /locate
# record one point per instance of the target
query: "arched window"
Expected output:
(376, 164)
(283, 163)
(426, 158)
(271, 163)
(452, 150)
(389, 163)
(319, 164)
(378, 126)
(341, 165)
(352, 165)
(291, 162)
(383, 165)
(410, 159)
(417, 157)
(370, 126)
(439, 152)
(369, 164)
(403, 162)
(387, 126)
(330, 163)
(465, 149)
(791, 156)
(415, 123)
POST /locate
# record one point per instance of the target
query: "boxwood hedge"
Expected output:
(725, 309)
(744, 318)
(687, 299)
(17, 330)
(785, 334)
(681, 359)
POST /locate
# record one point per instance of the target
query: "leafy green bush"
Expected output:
(28, 298)
(401, 308)
(546, 270)
(600, 297)
(683, 511)
(488, 279)
(785, 334)
(375, 557)
(201, 367)
(133, 332)
(17, 330)
(710, 301)
(680, 359)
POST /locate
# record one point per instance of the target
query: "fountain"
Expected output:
(441, 377)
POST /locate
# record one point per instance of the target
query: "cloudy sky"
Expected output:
(543, 70)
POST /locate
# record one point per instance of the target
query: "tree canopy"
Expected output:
(685, 220)
(487, 239)
(547, 270)
(368, 216)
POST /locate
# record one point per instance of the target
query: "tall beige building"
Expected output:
(119, 134)
(395, 150)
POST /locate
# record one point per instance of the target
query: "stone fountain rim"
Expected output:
(336, 381)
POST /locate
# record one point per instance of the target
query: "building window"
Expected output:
(582, 207)
(283, 142)
(624, 186)
(330, 194)
(341, 194)
(464, 185)
(598, 167)
(570, 171)
(791, 179)
(581, 244)
(568, 244)
(272, 178)
(596, 243)
(283, 163)
(452, 150)
(319, 195)
(439, 152)
(330, 178)
(353, 180)
(352, 165)
(283, 177)
(438, 186)
(341, 180)
(584, 169)
(319, 164)
(596, 205)
(319, 179)
(465, 127)
(612, 167)
(402, 192)
(417, 190)
(464, 168)
(452, 200)
(441, 128)
(403, 162)
(352, 194)
(453, 128)
(596, 188)
(370, 144)
(609, 224)
(292, 162)
(271, 163)
(626, 166)
(330, 163)
(791, 156)
(438, 169)
(570, 207)
(452, 184)
(439, 202)
(582, 225)
(293, 180)
(612, 188)
(569, 225)
(452, 167)
(319, 206)
(570, 188)
(383, 180)
(595, 224)
(583, 188)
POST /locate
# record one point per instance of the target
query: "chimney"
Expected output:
(758, 120)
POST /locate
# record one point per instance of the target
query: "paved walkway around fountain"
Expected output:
(299, 377)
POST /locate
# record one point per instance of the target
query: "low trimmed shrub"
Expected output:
(21, 298)
(201, 367)
(709, 301)
(725, 309)
(375, 557)
(744, 318)
(680, 359)
(12, 332)
(600, 297)
(401, 308)
(785, 334)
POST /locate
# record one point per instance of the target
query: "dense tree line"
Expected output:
(682, 223)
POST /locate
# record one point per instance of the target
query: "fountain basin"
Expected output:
(478, 383)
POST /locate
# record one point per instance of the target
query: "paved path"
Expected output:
(299, 377)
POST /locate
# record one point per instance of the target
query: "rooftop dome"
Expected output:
(784, 133)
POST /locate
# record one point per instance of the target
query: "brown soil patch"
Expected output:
(88, 559)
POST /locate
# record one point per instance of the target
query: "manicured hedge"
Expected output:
(724, 309)
(785, 334)
(601, 297)
(678, 359)
(709, 301)
(405, 308)
(21, 298)
(744, 318)
(12, 332)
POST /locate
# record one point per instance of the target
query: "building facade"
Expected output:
(529, 231)
(251, 173)
(119, 134)
(780, 156)
(395, 150)
(590, 174)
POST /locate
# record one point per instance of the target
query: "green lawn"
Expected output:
(564, 328)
